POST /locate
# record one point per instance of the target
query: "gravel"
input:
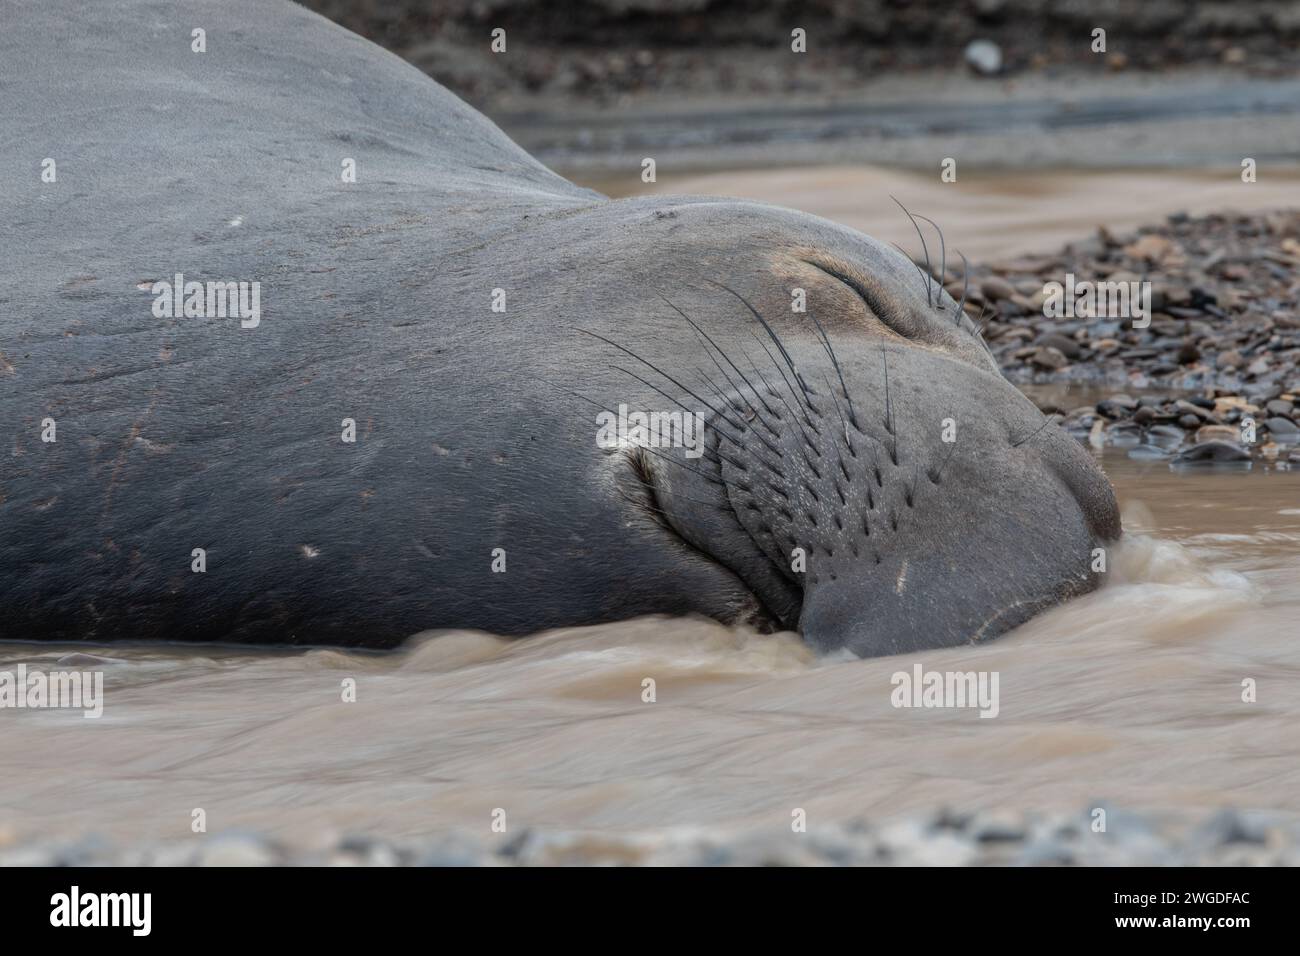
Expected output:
(943, 838)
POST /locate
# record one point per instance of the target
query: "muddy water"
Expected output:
(1132, 695)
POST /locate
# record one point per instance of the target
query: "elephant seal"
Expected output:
(430, 409)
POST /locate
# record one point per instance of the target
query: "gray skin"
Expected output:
(476, 429)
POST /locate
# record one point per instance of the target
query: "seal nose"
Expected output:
(964, 567)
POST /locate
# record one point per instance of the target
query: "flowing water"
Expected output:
(1133, 695)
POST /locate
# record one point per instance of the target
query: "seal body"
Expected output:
(405, 433)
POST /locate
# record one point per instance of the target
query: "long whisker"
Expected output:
(786, 379)
(889, 411)
(1047, 420)
(739, 428)
(654, 451)
(929, 271)
(919, 271)
(943, 258)
(736, 425)
(965, 286)
(776, 339)
(750, 431)
(720, 351)
(944, 464)
(826, 342)
(781, 398)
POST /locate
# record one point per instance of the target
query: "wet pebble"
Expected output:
(984, 57)
(1212, 451)
(1148, 453)
(1049, 358)
(1283, 429)
(237, 850)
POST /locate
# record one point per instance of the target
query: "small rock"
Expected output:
(1212, 451)
(1148, 453)
(1117, 406)
(984, 56)
(1152, 248)
(453, 850)
(996, 289)
(1166, 436)
(1229, 826)
(1049, 358)
(1209, 433)
(1183, 407)
(1063, 344)
(1283, 429)
(998, 827)
(236, 850)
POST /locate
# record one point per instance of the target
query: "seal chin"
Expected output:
(839, 618)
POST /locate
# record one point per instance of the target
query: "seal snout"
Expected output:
(921, 503)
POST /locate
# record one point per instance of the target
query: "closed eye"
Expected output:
(892, 320)
(869, 299)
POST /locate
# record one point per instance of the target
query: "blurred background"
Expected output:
(589, 83)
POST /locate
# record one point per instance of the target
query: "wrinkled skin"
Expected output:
(476, 430)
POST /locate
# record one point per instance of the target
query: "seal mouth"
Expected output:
(663, 507)
(1011, 616)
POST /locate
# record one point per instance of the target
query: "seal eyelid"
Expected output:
(868, 298)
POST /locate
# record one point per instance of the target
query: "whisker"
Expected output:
(712, 479)
(826, 343)
(924, 248)
(720, 351)
(943, 261)
(889, 411)
(919, 271)
(1046, 421)
(684, 407)
(965, 286)
(650, 365)
(786, 379)
(776, 339)
(750, 431)
(654, 451)
(802, 431)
